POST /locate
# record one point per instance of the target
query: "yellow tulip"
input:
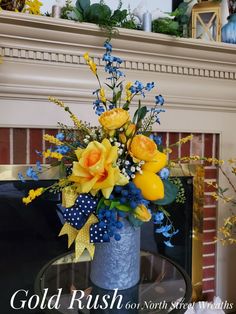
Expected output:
(142, 213)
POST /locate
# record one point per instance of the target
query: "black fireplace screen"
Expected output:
(29, 236)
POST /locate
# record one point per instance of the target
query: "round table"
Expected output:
(164, 287)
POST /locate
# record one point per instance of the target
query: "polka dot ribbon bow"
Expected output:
(82, 226)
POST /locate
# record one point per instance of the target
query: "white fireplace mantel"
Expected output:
(43, 56)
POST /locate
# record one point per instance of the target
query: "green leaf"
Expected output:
(134, 221)
(98, 13)
(123, 208)
(183, 6)
(184, 19)
(135, 117)
(100, 203)
(165, 212)
(114, 204)
(119, 15)
(170, 192)
(117, 96)
(75, 15)
(109, 86)
(142, 113)
(83, 4)
(126, 106)
(120, 83)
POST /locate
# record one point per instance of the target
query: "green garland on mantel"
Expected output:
(102, 15)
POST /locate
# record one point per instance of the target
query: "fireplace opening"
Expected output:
(29, 238)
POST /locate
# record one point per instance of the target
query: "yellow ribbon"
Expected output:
(81, 237)
(69, 196)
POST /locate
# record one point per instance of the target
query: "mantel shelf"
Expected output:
(142, 39)
(44, 55)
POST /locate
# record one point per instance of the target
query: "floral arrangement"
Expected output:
(115, 171)
(28, 6)
(227, 231)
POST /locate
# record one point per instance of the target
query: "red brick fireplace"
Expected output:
(18, 146)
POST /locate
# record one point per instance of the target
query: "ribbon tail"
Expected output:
(70, 232)
(82, 240)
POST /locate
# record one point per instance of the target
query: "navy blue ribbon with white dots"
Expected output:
(79, 213)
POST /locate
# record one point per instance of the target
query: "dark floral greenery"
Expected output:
(174, 26)
(100, 14)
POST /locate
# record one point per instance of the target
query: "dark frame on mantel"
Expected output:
(175, 4)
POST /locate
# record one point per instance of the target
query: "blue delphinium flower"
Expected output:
(32, 174)
(60, 136)
(163, 229)
(38, 165)
(156, 138)
(158, 217)
(112, 63)
(166, 230)
(38, 153)
(98, 107)
(155, 113)
(159, 100)
(137, 88)
(108, 46)
(149, 86)
(21, 177)
(108, 58)
(164, 173)
(168, 234)
(168, 243)
(62, 149)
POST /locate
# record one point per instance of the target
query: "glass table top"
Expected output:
(163, 287)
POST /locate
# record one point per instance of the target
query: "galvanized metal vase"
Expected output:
(116, 264)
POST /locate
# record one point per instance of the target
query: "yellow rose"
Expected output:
(96, 169)
(114, 119)
(142, 148)
(142, 213)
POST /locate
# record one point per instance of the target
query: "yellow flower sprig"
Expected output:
(92, 65)
(52, 139)
(226, 230)
(61, 104)
(32, 195)
(33, 7)
(102, 95)
(128, 92)
(49, 154)
(184, 140)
